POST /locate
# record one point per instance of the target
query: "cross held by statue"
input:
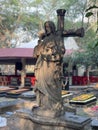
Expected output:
(60, 26)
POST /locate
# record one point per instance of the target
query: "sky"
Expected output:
(69, 43)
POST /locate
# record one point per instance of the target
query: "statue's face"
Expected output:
(47, 27)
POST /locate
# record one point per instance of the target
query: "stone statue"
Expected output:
(48, 69)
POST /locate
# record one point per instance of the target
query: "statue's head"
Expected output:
(49, 27)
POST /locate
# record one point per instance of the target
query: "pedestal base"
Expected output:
(67, 121)
(47, 113)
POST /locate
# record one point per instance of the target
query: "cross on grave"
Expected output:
(67, 33)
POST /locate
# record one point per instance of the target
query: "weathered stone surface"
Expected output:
(67, 121)
(10, 104)
(47, 113)
(94, 124)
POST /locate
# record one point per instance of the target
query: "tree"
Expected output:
(87, 57)
(92, 14)
(28, 17)
(16, 16)
(22, 16)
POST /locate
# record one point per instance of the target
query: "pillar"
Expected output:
(23, 71)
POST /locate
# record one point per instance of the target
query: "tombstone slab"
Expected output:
(94, 124)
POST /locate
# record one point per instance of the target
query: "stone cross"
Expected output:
(60, 26)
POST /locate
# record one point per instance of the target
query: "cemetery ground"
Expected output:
(10, 105)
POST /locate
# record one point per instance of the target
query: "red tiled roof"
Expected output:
(22, 52)
(16, 52)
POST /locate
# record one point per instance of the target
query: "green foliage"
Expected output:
(96, 43)
(14, 2)
(89, 14)
(30, 15)
(87, 57)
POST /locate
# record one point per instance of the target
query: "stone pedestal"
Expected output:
(47, 113)
(68, 121)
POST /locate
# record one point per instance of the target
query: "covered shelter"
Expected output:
(12, 55)
(20, 57)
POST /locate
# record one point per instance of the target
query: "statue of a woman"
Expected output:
(48, 69)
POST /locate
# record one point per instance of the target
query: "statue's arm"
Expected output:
(68, 33)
